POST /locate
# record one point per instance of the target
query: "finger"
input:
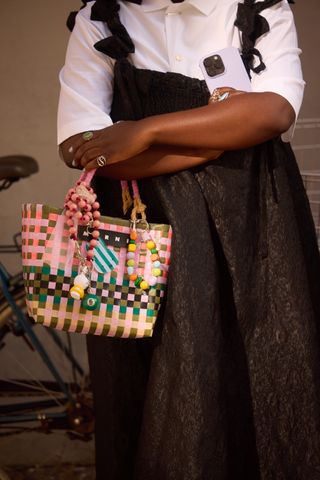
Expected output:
(96, 163)
(90, 155)
(85, 147)
(68, 148)
(92, 165)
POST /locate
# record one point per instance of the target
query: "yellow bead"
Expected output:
(77, 292)
(144, 285)
(132, 247)
(150, 244)
(131, 263)
(156, 272)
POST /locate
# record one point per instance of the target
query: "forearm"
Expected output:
(241, 121)
(158, 160)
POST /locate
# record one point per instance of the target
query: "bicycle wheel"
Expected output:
(31, 400)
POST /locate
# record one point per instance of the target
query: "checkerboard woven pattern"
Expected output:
(49, 267)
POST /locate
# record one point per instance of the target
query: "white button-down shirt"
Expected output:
(170, 37)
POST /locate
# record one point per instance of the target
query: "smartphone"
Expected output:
(225, 68)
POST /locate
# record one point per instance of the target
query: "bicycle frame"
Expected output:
(23, 325)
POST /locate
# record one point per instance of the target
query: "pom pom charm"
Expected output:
(131, 261)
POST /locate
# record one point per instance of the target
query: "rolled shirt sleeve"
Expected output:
(86, 80)
(281, 55)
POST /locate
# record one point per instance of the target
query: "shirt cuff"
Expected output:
(72, 128)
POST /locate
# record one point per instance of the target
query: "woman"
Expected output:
(228, 388)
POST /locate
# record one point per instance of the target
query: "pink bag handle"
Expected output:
(138, 206)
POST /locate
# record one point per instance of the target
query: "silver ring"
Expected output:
(101, 161)
(87, 136)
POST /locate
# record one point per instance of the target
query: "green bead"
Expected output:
(138, 281)
(132, 242)
(90, 302)
(154, 250)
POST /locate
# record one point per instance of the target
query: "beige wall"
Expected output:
(33, 39)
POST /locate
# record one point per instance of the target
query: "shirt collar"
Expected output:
(203, 6)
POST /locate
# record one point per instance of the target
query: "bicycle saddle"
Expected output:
(14, 167)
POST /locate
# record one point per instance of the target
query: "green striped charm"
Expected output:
(104, 259)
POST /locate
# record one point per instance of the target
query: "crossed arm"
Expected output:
(176, 141)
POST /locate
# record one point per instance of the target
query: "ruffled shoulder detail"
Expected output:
(71, 20)
(252, 25)
(119, 44)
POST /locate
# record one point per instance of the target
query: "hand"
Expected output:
(117, 143)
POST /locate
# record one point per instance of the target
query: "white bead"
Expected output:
(81, 280)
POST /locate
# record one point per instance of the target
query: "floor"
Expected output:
(39, 456)
(62, 472)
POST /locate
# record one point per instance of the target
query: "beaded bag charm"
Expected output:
(82, 209)
(145, 237)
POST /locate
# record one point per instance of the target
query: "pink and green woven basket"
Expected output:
(50, 265)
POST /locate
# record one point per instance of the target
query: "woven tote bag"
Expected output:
(113, 304)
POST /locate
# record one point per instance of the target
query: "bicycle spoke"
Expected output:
(41, 387)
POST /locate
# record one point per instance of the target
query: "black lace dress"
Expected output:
(229, 386)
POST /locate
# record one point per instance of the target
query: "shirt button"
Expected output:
(179, 58)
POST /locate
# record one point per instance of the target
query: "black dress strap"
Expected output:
(252, 25)
(119, 44)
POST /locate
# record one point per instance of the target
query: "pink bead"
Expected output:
(93, 243)
(74, 197)
(95, 234)
(72, 230)
(152, 281)
(90, 254)
(70, 222)
(96, 214)
(82, 204)
(95, 205)
(69, 213)
(78, 215)
(96, 224)
(85, 219)
(87, 208)
(72, 206)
